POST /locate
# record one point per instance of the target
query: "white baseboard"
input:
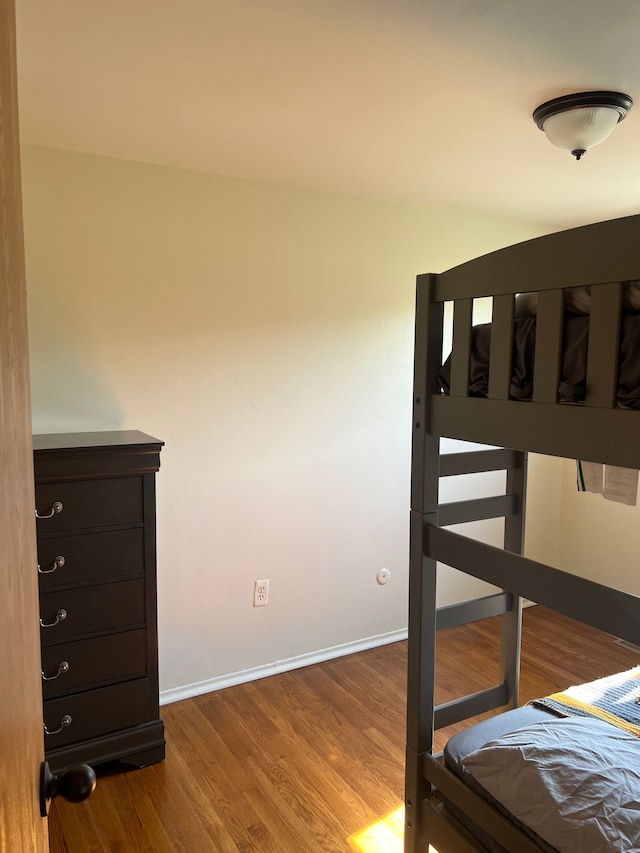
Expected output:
(198, 688)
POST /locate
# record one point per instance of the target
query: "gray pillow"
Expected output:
(575, 782)
(632, 296)
(577, 300)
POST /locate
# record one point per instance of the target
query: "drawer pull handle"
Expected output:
(58, 563)
(62, 668)
(55, 509)
(64, 722)
(61, 615)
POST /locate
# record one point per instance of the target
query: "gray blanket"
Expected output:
(574, 361)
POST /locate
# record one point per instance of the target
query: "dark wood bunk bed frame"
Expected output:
(602, 255)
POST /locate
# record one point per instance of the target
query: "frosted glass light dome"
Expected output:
(578, 122)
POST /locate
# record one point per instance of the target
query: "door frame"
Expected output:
(22, 829)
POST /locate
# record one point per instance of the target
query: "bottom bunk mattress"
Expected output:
(570, 783)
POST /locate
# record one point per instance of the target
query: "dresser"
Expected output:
(96, 529)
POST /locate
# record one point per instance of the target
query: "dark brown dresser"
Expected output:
(96, 527)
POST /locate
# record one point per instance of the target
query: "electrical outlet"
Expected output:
(261, 593)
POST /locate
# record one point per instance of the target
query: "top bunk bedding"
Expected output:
(558, 368)
(572, 380)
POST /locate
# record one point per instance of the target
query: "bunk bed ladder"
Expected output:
(425, 620)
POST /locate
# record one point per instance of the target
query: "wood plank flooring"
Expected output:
(303, 761)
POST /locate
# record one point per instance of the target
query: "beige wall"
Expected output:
(544, 500)
(266, 335)
(599, 539)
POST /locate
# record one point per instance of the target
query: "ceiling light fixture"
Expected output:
(578, 122)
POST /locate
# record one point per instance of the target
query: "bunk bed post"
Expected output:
(422, 570)
(420, 686)
(511, 621)
(425, 448)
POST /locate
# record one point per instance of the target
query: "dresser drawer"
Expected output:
(90, 557)
(95, 712)
(89, 503)
(90, 610)
(68, 667)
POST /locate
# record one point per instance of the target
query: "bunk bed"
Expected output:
(441, 806)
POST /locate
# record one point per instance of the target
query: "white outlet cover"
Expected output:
(383, 576)
(261, 593)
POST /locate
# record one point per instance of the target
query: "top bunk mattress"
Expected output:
(572, 381)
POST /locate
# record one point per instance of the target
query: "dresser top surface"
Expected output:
(78, 440)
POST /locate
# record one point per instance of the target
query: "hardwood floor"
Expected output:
(300, 762)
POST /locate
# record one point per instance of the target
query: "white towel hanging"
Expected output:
(613, 483)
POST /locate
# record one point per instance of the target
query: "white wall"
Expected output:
(266, 335)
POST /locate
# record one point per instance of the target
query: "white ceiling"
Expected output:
(419, 101)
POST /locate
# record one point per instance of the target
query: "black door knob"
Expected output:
(75, 785)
